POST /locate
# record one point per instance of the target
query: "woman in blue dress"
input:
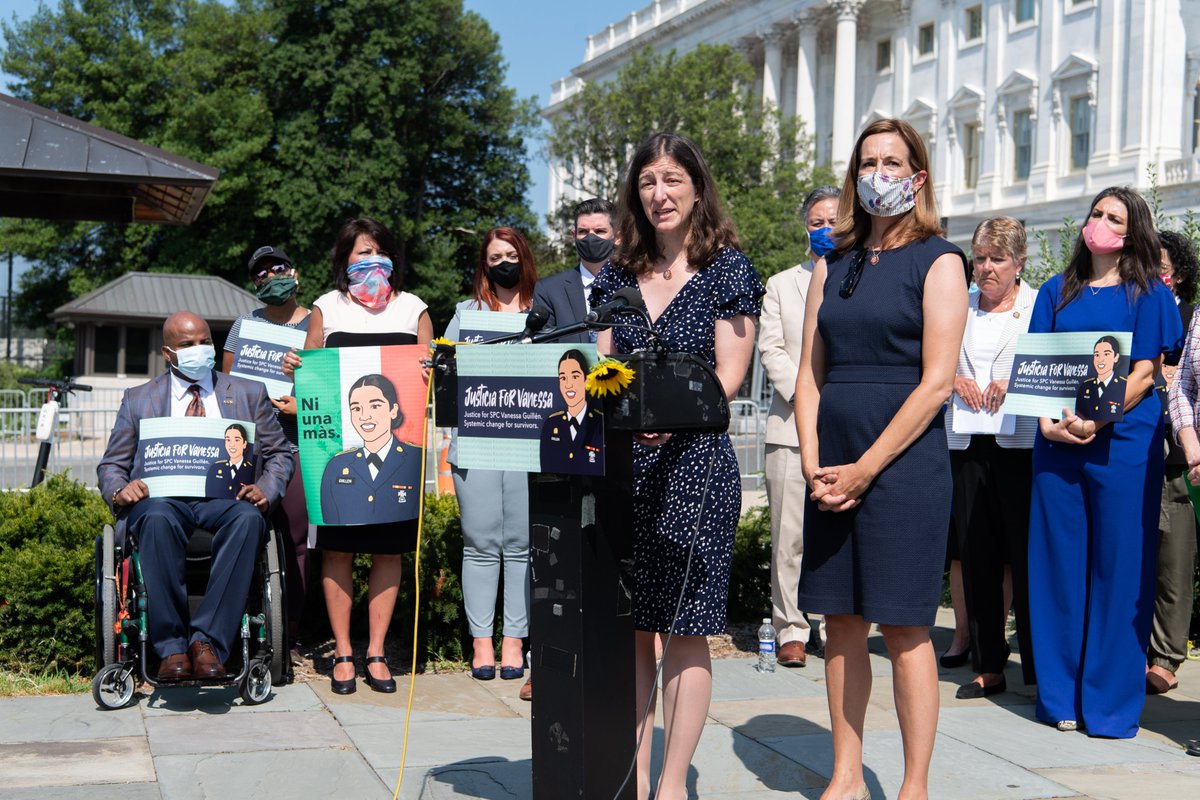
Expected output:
(680, 250)
(883, 324)
(1093, 527)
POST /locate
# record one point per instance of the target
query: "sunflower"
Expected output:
(433, 345)
(608, 377)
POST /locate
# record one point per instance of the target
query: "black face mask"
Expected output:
(593, 249)
(506, 274)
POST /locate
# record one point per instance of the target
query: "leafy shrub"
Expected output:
(750, 573)
(46, 572)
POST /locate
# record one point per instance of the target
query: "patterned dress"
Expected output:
(687, 493)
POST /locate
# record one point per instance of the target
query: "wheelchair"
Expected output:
(123, 652)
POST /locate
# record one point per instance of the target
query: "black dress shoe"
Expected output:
(957, 659)
(386, 685)
(973, 691)
(342, 687)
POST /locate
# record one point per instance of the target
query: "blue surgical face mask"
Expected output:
(196, 361)
(820, 242)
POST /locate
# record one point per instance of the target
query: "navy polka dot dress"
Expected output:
(669, 481)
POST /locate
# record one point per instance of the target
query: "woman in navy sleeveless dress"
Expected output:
(882, 331)
(679, 250)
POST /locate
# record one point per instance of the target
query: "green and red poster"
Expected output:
(361, 415)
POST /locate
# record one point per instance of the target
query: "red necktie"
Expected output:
(195, 408)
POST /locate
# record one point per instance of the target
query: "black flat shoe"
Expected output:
(973, 691)
(956, 660)
(484, 673)
(386, 685)
(342, 687)
(511, 673)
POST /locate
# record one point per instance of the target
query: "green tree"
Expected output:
(314, 113)
(762, 162)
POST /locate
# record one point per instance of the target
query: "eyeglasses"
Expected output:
(850, 282)
(263, 275)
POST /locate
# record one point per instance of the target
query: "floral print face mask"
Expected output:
(881, 196)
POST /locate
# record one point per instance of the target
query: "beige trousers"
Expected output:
(785, 496)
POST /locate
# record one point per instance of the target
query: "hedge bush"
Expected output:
(46, 571)
(750, 572)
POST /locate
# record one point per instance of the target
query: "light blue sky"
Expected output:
(541, 41)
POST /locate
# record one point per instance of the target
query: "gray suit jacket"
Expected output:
(562, 294)
(780, 337)
(237, 398)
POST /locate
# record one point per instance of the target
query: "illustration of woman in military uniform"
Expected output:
(377, 482)
(573, 440)
(227, 477)
(1102, 398)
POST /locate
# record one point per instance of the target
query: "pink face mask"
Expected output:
(1101, 239)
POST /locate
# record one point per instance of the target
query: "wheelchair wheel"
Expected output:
(105, 597)
(274, 606)
(113, 686)
(256, 686)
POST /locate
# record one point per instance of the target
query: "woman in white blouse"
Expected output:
(991, 456)
(367, 307)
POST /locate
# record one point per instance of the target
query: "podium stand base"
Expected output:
(581, 630)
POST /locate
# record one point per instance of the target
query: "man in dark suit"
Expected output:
(573, 440)
(228, 476)
(1102, 398)
(197, 647)
(565, 294)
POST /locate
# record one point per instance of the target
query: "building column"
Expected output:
(844, 80)
(772, 69)
(806, 52)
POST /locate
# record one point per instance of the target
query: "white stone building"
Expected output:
(1029, 107)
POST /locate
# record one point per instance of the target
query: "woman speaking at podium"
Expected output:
(679, 249)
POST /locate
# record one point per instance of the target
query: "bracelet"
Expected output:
(113, 501)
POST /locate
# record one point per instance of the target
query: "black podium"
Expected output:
(581, 629)
(585, 715)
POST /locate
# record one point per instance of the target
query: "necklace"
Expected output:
(1095, 290)
(875, 251)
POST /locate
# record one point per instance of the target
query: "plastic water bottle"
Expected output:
(766, 647)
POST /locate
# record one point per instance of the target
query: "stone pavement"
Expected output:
(767, 737)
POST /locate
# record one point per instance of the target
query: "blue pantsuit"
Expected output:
(1093, 529)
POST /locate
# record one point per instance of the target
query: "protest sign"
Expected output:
(1082, 371)
(478, 326)
(525, 408)
(260, 351)
(361, 415)
(194, 456)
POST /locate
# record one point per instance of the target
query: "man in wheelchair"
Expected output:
(199, 646)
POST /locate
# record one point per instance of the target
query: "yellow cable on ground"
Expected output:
(412, 681)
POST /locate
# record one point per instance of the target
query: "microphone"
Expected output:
(535, 320)
(624, 298)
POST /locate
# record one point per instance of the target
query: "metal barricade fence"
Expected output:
(78, 445)
(747, 431)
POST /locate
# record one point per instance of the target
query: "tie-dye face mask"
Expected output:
(370, 281)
